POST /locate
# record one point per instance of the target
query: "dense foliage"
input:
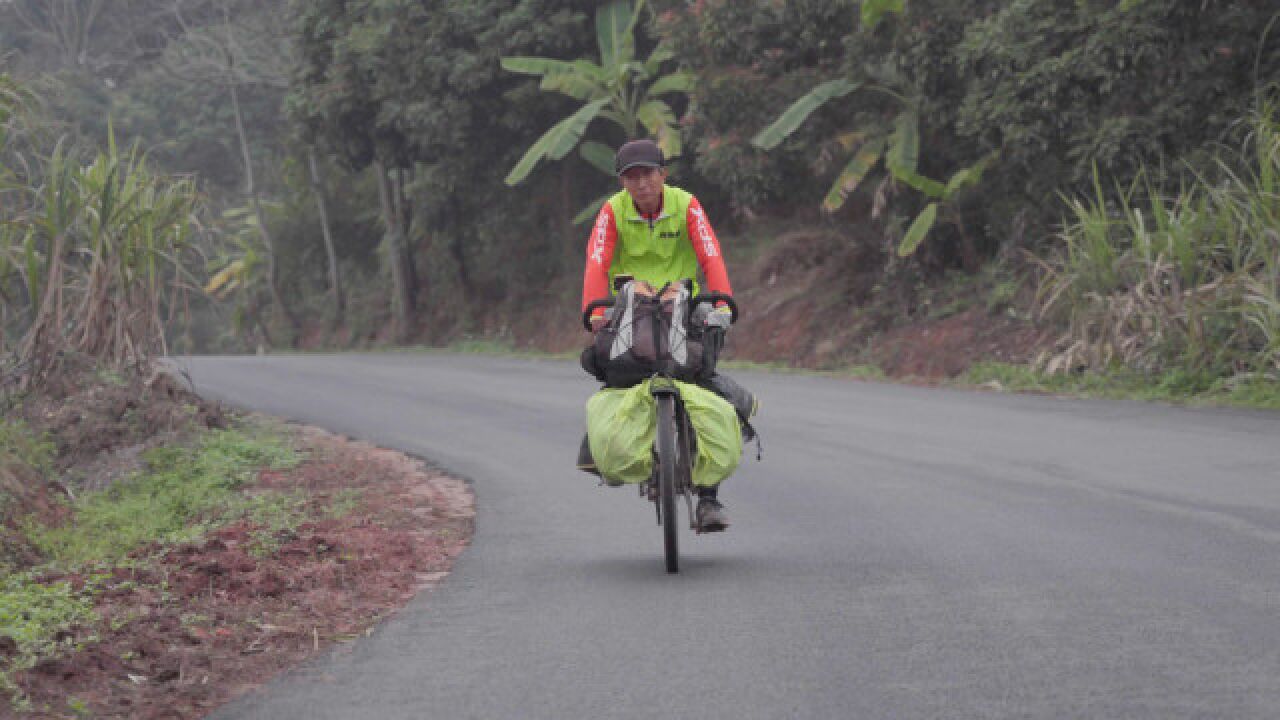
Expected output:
(1053, 88)
(355, 150)
(433, 109)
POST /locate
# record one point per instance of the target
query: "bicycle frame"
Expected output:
(662, 386)
(671, 475)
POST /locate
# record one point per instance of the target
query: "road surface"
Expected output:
(900, 553)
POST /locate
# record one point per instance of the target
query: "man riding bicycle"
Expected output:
(658, 234)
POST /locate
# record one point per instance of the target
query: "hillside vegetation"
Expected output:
(1082, 187)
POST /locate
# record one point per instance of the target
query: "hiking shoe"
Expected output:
(586, 463)
(711, 516)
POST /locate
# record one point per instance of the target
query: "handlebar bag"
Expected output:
(646, 334)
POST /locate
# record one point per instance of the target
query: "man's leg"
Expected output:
(711, 516)
(743, 402)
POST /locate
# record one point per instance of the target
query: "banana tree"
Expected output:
(619, 88)
(239, 273)
(896, 145)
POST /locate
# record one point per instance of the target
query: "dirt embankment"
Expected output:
(820, 300)
(181, 629)
(97, 426)
(208, 621)
(813, 299)
(817, 300)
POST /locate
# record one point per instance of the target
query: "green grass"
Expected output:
(39, 618)
(1176, 386)
(856, 371)
(499, 347)
(19, 444)
(181, 494)
(465, 346)
(278, 515)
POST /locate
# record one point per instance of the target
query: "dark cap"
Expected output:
(643, 153)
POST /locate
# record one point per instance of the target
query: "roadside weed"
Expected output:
(39, 619)
(18, 444)
(181, 494)
(1190, 280)
(1255, 390)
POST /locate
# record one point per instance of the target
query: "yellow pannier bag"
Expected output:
(719, 434)
(621, 430)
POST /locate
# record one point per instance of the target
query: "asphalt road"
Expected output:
(900, 553)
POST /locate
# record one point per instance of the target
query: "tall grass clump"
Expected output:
(1186, 281)
(91, 247)
(98, 248)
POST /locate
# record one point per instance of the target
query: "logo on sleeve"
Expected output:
(600, 236)
(703, 231)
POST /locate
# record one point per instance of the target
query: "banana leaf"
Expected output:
(536, 65)
(660, 120)
(903, 157)
(873, 11)
(680, 81)
(794, 116)
(592, 209)
(919, 229)
(853, 174)
(614, 25)
(575, 85)
(599, 155)
(556, 142)
(967, 177)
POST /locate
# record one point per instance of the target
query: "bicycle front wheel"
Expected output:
(667, 468)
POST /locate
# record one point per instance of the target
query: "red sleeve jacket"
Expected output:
(604, 238)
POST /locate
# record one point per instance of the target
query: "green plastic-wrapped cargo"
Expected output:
(620, 431)
(719, 434)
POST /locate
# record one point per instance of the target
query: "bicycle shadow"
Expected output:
(695, 567)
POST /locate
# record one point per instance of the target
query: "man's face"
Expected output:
(644, 184)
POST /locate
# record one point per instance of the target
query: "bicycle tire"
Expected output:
(667, 468)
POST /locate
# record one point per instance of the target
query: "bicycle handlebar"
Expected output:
(593, 306)
(706, 297)
(715, 297)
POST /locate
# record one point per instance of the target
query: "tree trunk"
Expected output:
(566, 199)
(335, 280)
(251, 190)
(393, 241)
(456, 249)
(968, 251)
(405, 212)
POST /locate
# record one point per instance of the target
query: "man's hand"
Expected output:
(597, 322)
(721, 317)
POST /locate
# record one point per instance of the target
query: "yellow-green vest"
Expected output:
(657, 253)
